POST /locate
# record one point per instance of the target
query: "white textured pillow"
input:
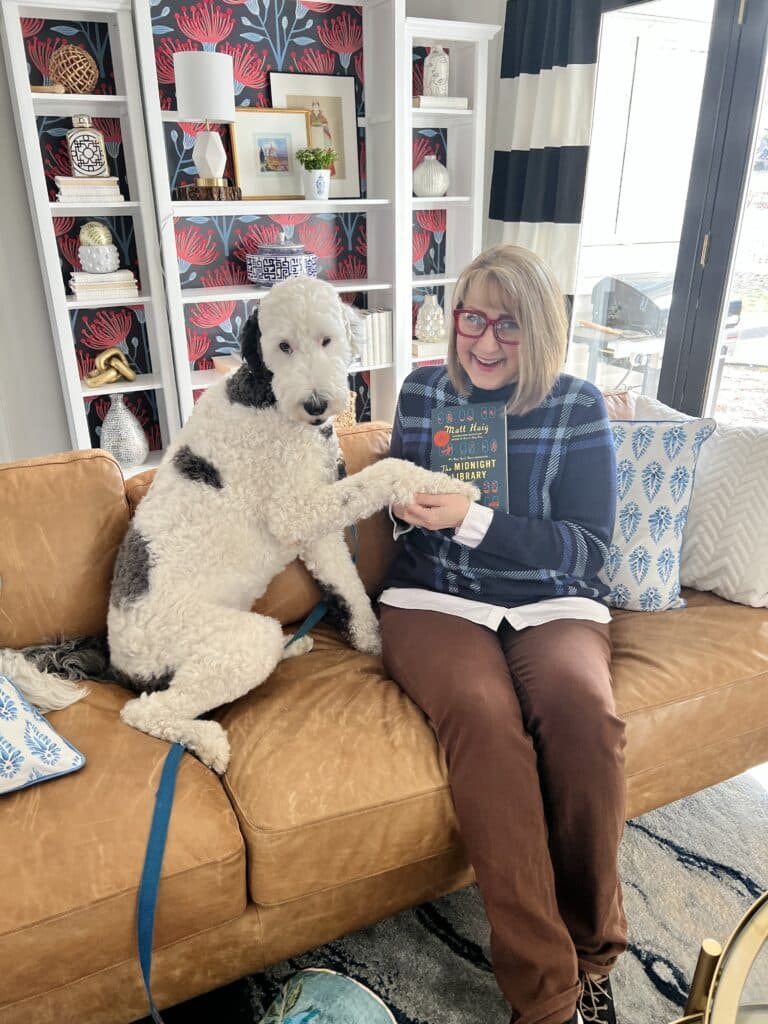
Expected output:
(30, 748)
(725, 542)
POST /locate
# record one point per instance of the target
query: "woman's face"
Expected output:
(489, 363)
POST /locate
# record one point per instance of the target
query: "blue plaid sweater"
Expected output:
(562, 498)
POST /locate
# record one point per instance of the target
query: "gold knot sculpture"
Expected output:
(111, 366)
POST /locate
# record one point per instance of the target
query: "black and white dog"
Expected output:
(249, 484)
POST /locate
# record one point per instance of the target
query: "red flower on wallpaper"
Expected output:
(107, 329)
(417, 78)
(40, 52)
(69, 248)
(422, 147)
(155, 437)
(228, 273)
(351, 268)
(85, 363)
(421, 240)
(62, 225)
(248, 68)
(191, 128)
(359, 67)
(193, 248)
(322, 238)
(314, 62)
(109, 128)
(211, 314)
(256, 235)
(30, 26)
(197, 346)
(432, 220)
(343, 35)
(56, 159)
(286, 220)
(164, 57)
(206, 23)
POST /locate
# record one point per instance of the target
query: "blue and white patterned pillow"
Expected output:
(30, 749)
(655, 468)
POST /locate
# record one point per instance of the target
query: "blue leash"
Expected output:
(158, 833)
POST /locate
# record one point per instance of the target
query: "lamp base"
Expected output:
(206, 193)
(211, 182)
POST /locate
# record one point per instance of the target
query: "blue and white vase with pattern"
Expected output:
(317, 183)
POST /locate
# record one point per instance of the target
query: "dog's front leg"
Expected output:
(330, 562)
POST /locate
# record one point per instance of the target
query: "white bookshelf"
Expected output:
(127, 106)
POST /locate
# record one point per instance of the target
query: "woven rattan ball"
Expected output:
(95, 233)
(73, 68)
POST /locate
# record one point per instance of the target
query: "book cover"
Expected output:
(469, 442)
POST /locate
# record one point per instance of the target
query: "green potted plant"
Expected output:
(317, 171)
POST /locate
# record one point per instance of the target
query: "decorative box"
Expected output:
(277, 261)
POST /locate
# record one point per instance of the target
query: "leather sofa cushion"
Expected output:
(73, 849)
(62, 518)
(336, 776)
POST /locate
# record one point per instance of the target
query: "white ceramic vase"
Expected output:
(430, 178)
(430, 320)
(317, 184)
(436, 72)
(122, 435)
(99, 259)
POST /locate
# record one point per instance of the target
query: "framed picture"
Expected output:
(333, 120)
(264, 144)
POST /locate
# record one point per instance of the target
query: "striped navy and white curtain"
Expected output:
(546, 98)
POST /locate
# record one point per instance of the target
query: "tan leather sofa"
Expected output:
(335, 811)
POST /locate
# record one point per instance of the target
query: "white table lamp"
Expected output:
(205, 92)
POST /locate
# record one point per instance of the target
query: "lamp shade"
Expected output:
(204, 86)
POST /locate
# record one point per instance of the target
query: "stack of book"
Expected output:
(116, 285)
(83, 191)
(441, 102)
(376, 346)
(425, 351)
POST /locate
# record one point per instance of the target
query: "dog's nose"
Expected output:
(315, 405)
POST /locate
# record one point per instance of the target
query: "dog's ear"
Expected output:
(252, 384)
(355, 328)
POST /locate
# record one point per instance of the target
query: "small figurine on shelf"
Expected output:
(87, 152)
(430, 320)
(111, 365)
(436, 72)
(100, 277)
(122, 435)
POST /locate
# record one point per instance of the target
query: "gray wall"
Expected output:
(32, 412)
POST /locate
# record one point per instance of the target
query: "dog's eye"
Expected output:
(326, 342)
(285, 347)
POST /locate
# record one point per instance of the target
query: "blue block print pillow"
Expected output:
(655, 468)
(320, 996)
(30, 749)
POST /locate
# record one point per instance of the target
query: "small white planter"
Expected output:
(317, 184)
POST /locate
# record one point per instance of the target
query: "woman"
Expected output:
(493, 623)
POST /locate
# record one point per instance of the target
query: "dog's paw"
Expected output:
(415, 479)
(364, 634)
(208, 741)
(301, 646)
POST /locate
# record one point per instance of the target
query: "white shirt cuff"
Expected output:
(398, 526)
(475, 525)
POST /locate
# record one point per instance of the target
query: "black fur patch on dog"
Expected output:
(196, 468)
(142, 684)
(326, 430)
(341, 468)
(252, 383)
(130, 579)
(338, 615)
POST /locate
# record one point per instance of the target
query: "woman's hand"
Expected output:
(434, 511)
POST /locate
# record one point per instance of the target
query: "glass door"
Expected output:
(650, 82)
(738, 385)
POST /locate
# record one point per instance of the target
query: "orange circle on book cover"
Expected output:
(441, 438)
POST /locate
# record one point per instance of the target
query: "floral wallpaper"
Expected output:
(67, 231)
(42, 37)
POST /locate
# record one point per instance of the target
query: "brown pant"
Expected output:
(535, 755)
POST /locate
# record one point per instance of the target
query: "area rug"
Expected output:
(690, 870)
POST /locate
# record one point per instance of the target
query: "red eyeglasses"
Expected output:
(471, 323)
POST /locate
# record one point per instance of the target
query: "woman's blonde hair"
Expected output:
(518, 281)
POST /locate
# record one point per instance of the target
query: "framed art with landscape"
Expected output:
(264, 145)
(333, 120)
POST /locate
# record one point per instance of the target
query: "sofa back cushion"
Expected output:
(293, 593)
(62, 518)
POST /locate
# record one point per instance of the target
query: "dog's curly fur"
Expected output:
(249, 484)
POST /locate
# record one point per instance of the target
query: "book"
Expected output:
(469, 442)
(226, 364)
(62, 179)
(441, 102)
(111, 277)
(429, 349)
